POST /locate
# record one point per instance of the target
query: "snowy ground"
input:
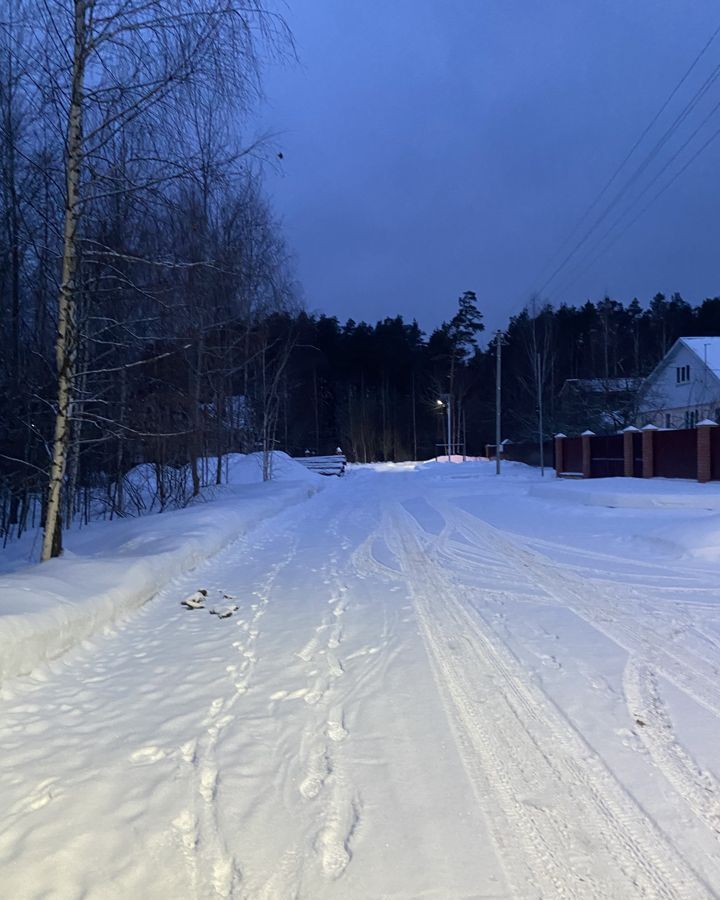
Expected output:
(438, 684)
(111, 568)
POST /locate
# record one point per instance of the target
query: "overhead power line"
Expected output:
(628, 156)
(641, 168)
(632, 206)
(713, 137)
(638, 172)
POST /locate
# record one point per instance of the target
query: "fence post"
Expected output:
(648, 452)
(559, 461)
(586, 452)
(704, 437)
(628, 455)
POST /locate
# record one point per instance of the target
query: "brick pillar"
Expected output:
(628, 455)
(559, 460)
(586, 437)
(704, 436)
(648, 455)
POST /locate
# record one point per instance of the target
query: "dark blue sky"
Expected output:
(437, 146)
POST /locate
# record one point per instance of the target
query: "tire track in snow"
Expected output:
(581, 833)
(644, 642)
(698, 788)
(653, 569)
(633, 630)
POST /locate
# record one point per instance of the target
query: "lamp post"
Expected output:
(446, 401)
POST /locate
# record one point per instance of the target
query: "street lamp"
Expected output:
(446, 400)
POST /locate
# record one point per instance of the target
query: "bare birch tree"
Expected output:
(107, 65)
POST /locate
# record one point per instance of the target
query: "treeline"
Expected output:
(148, 313)
(374, 389)
(139, 260)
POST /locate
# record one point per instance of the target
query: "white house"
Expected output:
(684, 387)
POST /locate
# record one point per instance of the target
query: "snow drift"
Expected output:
(113, 567)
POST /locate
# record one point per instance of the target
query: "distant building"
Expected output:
(598, 403)
(684, 387)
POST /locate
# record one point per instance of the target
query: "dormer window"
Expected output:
(682, 374)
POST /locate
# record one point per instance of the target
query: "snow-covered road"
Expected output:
(436, 686)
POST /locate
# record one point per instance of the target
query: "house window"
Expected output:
(682, 374)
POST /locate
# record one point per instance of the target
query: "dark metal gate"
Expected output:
(607, 456)
(637, 455)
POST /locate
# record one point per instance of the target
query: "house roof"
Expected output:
(601, 385)
(705, 348)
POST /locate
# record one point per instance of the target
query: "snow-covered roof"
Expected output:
(602, 385)
(705, 348)
(701, 346)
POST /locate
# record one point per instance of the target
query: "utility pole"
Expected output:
(448, 400)
(498, 398)
(540, 415)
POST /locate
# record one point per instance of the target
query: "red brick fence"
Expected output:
(650, 453)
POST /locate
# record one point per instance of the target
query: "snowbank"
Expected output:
(471, 467)
(113, 567)
(697, 539)
(632, 493)
(141, 484)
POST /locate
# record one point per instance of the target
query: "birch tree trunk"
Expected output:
(66, 341)
(73, 454)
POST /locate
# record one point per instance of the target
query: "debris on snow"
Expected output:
(196, 600)
(223, 612)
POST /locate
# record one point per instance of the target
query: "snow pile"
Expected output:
(247, 469)
(692, 538)
(113, 567)
(471, 467)
(632, 493)
(142, 487)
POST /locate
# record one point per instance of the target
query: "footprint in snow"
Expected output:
(41, 796)
(318, 772)
(147, 755)
(336, 731)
